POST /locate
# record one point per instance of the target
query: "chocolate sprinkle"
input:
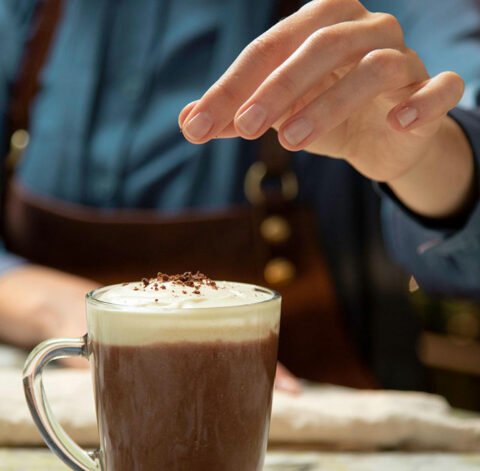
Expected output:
(185, 280)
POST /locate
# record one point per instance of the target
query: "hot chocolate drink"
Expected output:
(183, 371)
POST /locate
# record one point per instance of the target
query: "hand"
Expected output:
(286, 382)
(337, 80)
(37, 303)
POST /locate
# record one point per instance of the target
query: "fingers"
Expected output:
(75, 362)
(286, 382)
(325, 51)
(184, 113)
(216, 109)
(228, 132)
(433, 100)
(378, 72)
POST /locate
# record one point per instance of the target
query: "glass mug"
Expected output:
(188, 388)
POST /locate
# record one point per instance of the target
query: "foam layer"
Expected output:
(171, 296)
(143, 314)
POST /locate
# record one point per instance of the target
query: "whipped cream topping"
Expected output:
(172, 296)
(178, 309)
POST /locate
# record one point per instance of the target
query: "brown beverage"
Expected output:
(183, 374)
(185, 406)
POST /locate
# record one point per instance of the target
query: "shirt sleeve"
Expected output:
(444, 256)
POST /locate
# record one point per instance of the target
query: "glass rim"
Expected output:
(91, 298)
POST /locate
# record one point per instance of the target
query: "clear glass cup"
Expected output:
(182, 389)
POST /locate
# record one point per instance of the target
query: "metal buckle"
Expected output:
(18, 143)
(254, 180)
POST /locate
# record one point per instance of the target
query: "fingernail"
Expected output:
(251, 120)
(407, 116)
(199, 126)
(185, 112)
(297, 131)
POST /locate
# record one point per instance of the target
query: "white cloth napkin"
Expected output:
(322, 415)
(350, 419)
(70, 395)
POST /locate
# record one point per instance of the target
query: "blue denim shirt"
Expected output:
(104, 125)
(445, 257)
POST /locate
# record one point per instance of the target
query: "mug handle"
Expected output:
(54, 435)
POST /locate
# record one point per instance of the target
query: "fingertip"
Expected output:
(284, 143)
(185, 112)
(251, 122)
(199, 128)
(456, 82)
(288, 385)
(295, 134)
(429, 103)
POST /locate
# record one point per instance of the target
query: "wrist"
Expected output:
(442, 184)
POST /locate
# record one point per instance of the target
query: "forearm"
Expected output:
(442, 184)
(22, 321)
(38, 302)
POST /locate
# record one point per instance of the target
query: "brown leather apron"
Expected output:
(273, 243)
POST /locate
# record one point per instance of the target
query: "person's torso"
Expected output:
(104, 133)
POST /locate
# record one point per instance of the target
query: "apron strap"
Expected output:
(24, 89)
(45, 19)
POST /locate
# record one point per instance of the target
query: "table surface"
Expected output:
(39, 459)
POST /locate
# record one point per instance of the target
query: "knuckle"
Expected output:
(356, 7)
(328, 4)
(329, 40)
(385, 64)
(319, 6)
(353, 7)
(415, 60)
(388, 23)
(412, 55)
(263, 48)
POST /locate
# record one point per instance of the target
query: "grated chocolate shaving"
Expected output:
(193, 280)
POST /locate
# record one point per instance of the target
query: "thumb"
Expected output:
(286, 382)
